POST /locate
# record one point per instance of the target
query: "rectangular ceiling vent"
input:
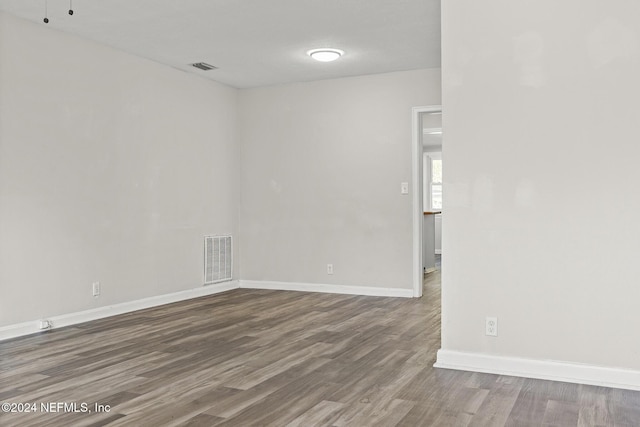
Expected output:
(218, 259)
(203, 66)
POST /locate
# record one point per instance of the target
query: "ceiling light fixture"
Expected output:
(325, 54)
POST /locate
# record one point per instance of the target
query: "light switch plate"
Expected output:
(404, 188)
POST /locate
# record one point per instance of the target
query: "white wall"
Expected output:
(322, 164)
(540, 229)
(112, 169)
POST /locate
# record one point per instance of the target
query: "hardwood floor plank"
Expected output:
(529, 408)
(424, 413)
(242, 399)
(561, 414)
(388, 415)
(625, 415)
(285, 404)
(498, 405)
(320, 415)
(202, 420)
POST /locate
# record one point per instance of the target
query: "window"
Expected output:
(436, 184)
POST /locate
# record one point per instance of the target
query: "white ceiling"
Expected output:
(255, 42)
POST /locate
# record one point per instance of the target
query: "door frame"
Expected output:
(417, 184)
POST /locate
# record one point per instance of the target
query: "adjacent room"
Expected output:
(319, 213)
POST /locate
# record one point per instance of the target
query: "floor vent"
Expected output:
(218, 259)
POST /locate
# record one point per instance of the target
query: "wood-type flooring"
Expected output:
(274, 358)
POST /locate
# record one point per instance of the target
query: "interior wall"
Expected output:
(540, 229)
(112, 169)
(322, 164)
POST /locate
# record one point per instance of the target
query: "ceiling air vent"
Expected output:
(204, 66)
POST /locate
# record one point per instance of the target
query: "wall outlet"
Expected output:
(491, 326)
(329, 268)
(96, 289)
(46, 324)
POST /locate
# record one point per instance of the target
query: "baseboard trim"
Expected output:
(540, 369)
(27, 328)
(32, 327)
(326, 288)
(438, 251)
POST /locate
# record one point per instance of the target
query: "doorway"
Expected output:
(426, 138)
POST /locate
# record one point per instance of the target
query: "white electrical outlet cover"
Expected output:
(491, 326)
(45, 324)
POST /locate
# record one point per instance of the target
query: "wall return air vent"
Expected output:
(218, 259)
(203, 66)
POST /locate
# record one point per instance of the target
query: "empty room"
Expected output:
(319, 213)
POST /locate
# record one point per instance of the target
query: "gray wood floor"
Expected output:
(250, 357)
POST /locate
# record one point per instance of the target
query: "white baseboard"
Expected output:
(26, 328)
(540, 369)
(325, 288)
(438, 251)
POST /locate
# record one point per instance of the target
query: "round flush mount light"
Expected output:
(325, 54)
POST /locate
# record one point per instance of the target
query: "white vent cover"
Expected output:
(204, 66)
(218, 259)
